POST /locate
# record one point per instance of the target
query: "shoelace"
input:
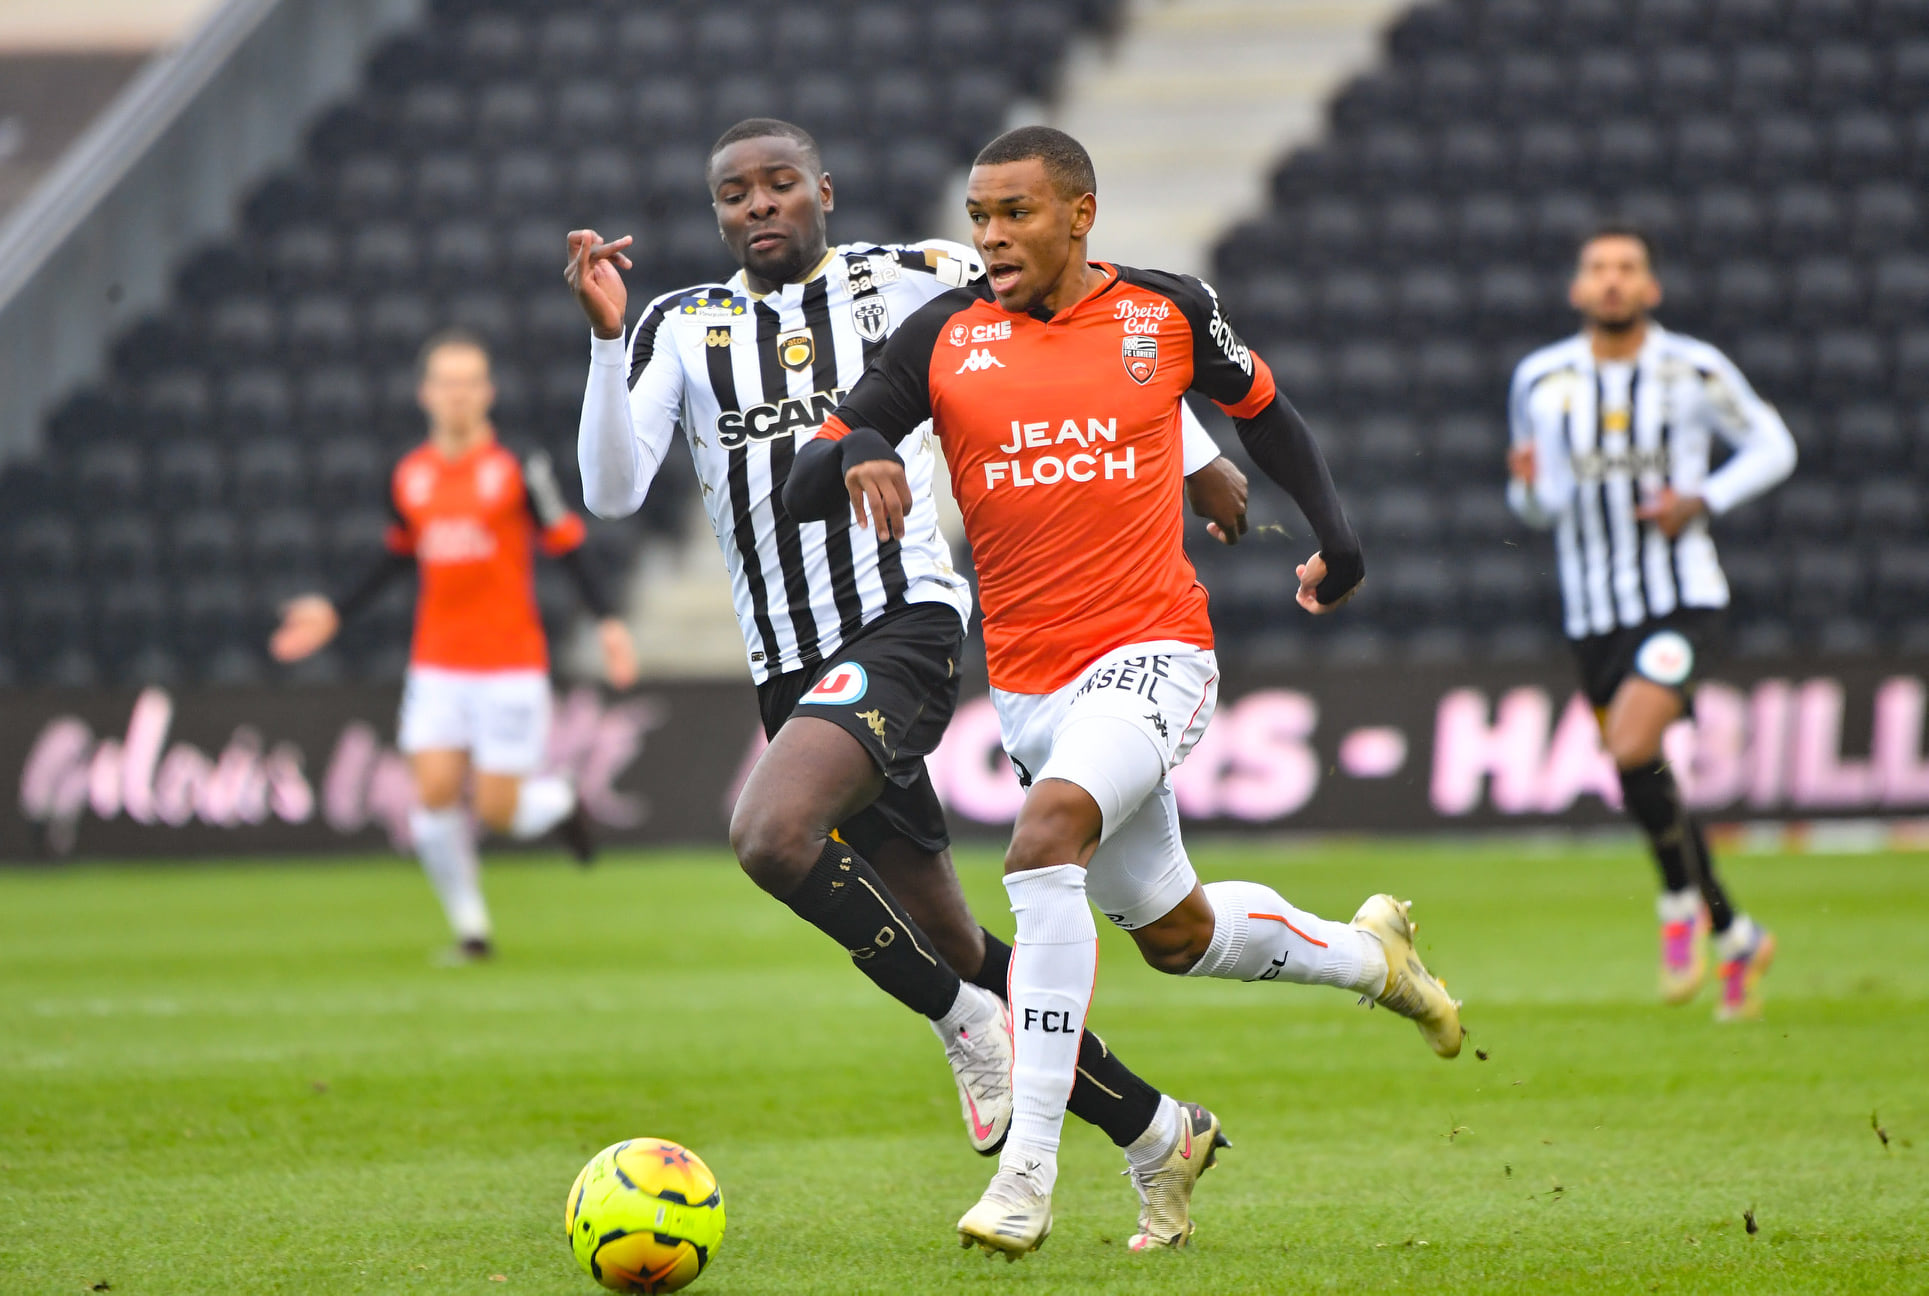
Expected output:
(1148, 1185)
(1013, 1189)
(979, 1069)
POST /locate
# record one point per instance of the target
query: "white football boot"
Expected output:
(1012, 1219)
(980, 1058)
(1411, 990)
(1165, 1193)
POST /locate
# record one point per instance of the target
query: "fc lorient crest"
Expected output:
(1140, 351)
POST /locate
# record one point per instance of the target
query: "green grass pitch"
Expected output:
(248, 1078)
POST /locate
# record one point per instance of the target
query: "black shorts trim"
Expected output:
(893, 687)
(1607, 660)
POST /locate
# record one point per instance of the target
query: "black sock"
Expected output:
(1721, 914)
(1680, 848)
(1105, 1092)
(1653, 799)
(844, 898)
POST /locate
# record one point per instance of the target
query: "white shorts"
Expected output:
(1117, 731)
(501, 718)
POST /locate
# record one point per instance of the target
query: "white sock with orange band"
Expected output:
(1257, 936)
(1053, 963)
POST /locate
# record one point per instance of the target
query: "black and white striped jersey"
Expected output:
(1607, 438)
(746, 377)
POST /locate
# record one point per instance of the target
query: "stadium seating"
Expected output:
(238, 449)
(1775, 149)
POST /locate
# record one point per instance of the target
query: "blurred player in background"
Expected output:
(1055, 386)
(469, 517)
(1611, 432)
(853, 639)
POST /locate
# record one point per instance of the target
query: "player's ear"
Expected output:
(826, 200)
(1084, 214)
(1574, 291)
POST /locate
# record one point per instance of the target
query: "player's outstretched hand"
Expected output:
(307, 624)
(592, 274)
(1520, 462)
(619, 653)
(880, 496)
(1311, 573)
(1217, 492)
(1670, 511)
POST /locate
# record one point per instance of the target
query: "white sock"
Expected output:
(448, 855)
(1738, 939)
(541, 804)
(973, 1009)
(1257, 936)
(1678, 906)
(1053, 963)
(1149, 1149)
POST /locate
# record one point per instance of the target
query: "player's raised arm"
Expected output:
(635, 391)
(1539, 478)
(1274, 434)
(852, 464)
(1764, 449)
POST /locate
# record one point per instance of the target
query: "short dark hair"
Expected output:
(767, 128)
(455, 336)
(1065, 159)
(1620, 229)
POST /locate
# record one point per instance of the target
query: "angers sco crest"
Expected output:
(1140, 352)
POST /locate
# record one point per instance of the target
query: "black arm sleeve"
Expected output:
(814, 491)
(373, 581)
(1282, 447)
(589, 586)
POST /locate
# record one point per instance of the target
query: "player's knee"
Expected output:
(1629, 749)
(1058, 825)
(775, 851)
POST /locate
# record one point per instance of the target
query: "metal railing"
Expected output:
(94, 246)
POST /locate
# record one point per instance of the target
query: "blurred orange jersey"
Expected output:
(473, 528)
(1063, 437)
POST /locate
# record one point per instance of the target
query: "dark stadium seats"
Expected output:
(1775, 150)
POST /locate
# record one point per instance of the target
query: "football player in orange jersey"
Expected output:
(469, 517)
(1054, 386)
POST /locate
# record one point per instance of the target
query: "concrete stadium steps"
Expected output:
(1188, 109)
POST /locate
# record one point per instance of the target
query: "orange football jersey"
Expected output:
(473, 528)
(1063, 439)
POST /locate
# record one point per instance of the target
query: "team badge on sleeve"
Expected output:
(871, 317)
(1140, 352)
(842, 683)
(1666, 658)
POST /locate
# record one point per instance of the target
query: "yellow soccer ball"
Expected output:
(645, 1215)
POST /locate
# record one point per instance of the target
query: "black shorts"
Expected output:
(892, 687)
(1671, 651)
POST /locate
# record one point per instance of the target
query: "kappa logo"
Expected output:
(871, 317)
(845, 682)
(980, 359)
(796, 351)
(1141, 355)
(961, 335)
(716, 337)
(875, 720)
